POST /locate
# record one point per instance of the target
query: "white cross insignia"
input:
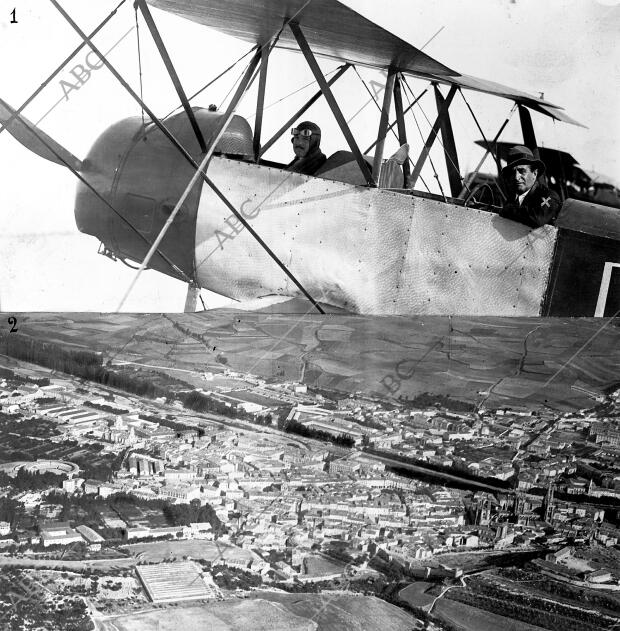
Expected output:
(545, 202)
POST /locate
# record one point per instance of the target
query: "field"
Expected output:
(316, 566)
(415, 594)
(241, 615)
(497, 361)
(466, 618)
(196, 549)
(333, 611)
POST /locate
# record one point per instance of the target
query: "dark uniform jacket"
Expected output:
(310, 164)
(539, 207)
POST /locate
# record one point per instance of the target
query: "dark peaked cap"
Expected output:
(522, 155)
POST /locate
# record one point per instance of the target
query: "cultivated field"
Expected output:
(501, 361)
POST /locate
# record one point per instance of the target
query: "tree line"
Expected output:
(185, 514)
(294, 427)
(89, 365)
(83, 364)
(6, 373)
(27, 481)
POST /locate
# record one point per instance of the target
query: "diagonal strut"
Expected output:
(159, 42)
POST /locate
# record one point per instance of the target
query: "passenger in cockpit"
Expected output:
(306, 139)
(530, 201)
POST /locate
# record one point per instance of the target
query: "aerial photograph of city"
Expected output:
(231, 470)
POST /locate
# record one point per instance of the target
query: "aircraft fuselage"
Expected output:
(367, 250)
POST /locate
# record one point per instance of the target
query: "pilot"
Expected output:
(529, 200)
(309, 158)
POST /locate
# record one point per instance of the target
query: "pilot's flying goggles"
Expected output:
(301, 132)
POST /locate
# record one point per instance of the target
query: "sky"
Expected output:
(567, 49)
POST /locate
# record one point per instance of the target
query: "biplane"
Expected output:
(193, 196)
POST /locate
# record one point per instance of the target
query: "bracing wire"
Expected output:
(486, 142)
(211, 82)
(303, 87)
(435, 174)
(430, 159)
(372, 96)
(438, 137)
(489, 147)
(234, 85)
(415, 120)
(272, 45)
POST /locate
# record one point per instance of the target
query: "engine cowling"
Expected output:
(141, 175)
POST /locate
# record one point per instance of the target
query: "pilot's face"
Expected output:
(523, 177)
(301, 145)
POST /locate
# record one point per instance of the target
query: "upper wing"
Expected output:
(336, 31)
(332, 29)
(535, 103)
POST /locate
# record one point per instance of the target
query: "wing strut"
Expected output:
(303, 109)
(449, 146)
(383, 122)
(159, 42)
(260, 100)
(331, 100)
(400, 120)
(431, 137)
(213, 140)
(529, 137)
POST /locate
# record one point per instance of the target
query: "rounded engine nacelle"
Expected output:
(139, 176)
